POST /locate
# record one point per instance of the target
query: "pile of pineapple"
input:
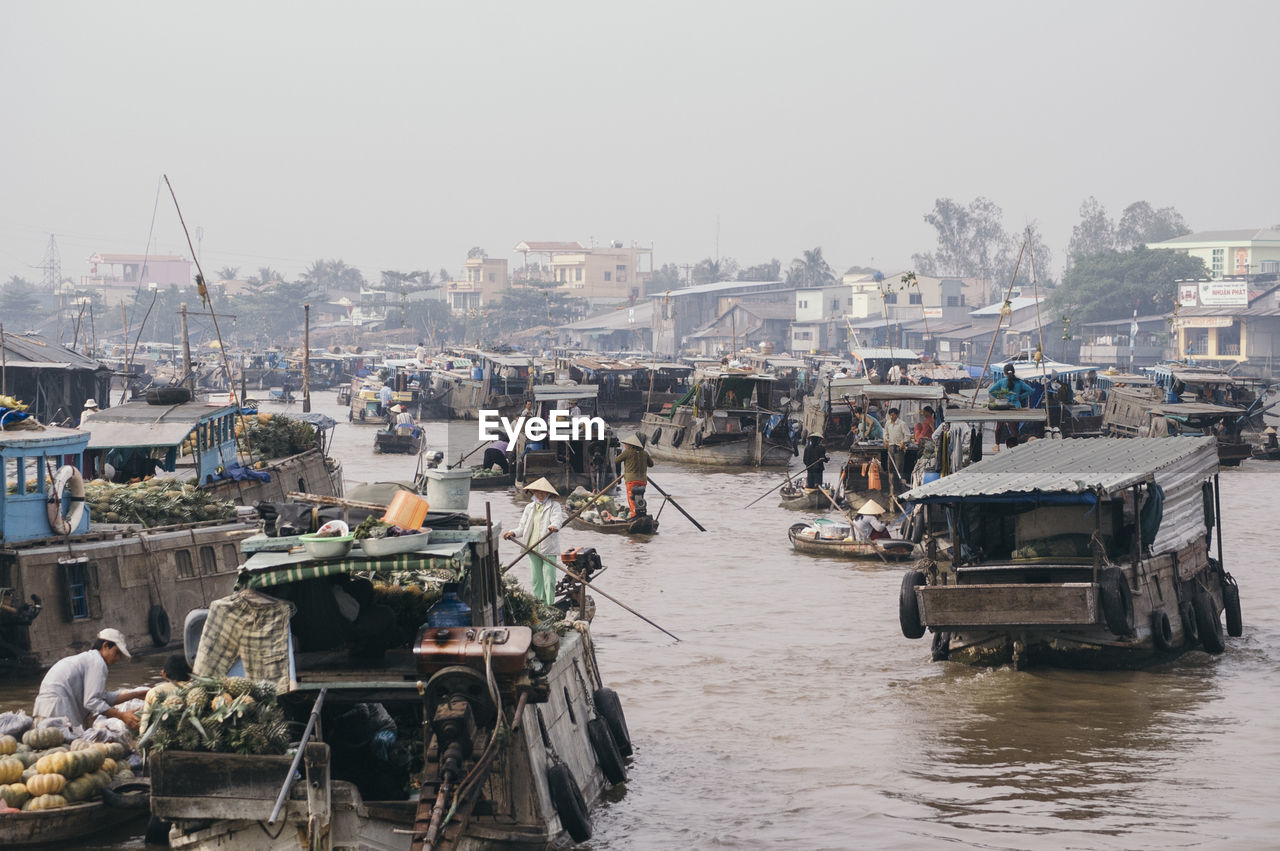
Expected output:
(35, 777)
(154, 502)
(217, 714)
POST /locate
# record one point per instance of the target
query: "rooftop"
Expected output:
(1232, 236)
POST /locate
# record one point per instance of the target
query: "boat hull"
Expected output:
(62, 826)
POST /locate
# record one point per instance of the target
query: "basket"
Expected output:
(407, 510)
(378, 547)
(327, 547)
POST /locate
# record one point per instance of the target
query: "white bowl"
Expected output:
(327, 547)
(379, 547)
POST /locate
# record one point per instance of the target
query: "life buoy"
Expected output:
(610, 709)
(1116, 601)
(606, 751)
(1161, 631)
(1231, 606)
(909, 606)
(158, 626)
(67, 478)
(566, 797)
(1207, 622)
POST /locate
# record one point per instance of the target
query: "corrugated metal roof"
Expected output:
(30, 350)
(1074, 466)
(884, 353)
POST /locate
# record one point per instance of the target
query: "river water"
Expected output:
(792, 712)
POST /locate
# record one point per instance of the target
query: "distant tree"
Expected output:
(265, 277)
(444, 275)
(228, 273)
(476, 252)
(666, 277)
(19, 304)
(810, 270)
(770, 271)
(327, 275)
(970, 239)
(708, 271)
(863, 270)
(1035, 266)
(401, 284)
(1141, 224)
(521, 309)
(1107, 285)
(1096, 233)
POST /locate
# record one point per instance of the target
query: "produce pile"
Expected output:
(275, 436)
(154, 502)
(603, 507)
(218, 714)
(41, 773)
(486, 473)
(521, 608)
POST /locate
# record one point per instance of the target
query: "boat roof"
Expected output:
(1111, 378)
(543, 392)
(1193, 375)
(268, 569)
(883, 353)
(1003, 415)
(142, 424)
(1041, 469)
(28, 436)
(889, 392)
(1195, 409)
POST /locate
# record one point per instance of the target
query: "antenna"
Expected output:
(52, 265)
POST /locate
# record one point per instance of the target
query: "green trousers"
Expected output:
(544, 579)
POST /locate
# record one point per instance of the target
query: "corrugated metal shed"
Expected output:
(1074, 467)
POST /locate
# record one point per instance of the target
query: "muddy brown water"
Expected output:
(793, 713)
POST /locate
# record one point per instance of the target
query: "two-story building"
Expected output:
(601, 275)
(1229, 323)
(819, 319)
(1252, 251)
(484, 279)
(117, 272)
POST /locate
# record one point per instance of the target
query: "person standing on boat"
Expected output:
(90, 408)
(75, 687)
(895, 444)
(925, 428)
(868, 526)
(385, 395)
(541, 520)
(420, 353)
(403, 423)
(635, 463)
(815, 459)
(1017, 391)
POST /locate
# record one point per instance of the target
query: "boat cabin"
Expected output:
(139, 438)
(32, 457)
(585, 460)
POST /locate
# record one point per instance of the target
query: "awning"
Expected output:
(107, 435)
(265, 570)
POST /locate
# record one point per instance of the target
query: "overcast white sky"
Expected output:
(398, 135)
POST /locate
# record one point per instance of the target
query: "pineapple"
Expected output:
(238, 686)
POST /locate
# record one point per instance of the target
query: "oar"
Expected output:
(565, 570)
(659, 489)
(785, 481)
(462, 458)
(584, 507)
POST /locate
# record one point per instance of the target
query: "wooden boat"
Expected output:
(490, 481)
(814, 540)
(725, 420)
(586, 459)
(805, 499)
(64, 827)
(1050, 562)
(393, 441)
(535, 742)
(645, 524)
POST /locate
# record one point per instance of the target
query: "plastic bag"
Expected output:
(15, 723)
(61, 723)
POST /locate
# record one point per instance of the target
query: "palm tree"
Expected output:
(228, 273)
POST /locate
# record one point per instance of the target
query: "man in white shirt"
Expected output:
(75, 687)
(420, 353)
(385, 395)
(896, 436)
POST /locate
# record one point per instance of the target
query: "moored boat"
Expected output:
(1081, 553)
(64, 827)
(835, 538)
(799, 498)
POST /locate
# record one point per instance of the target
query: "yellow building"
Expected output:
(1254, 251)
(601, 274)
(483, 281)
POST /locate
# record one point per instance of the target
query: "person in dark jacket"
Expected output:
(815, 458)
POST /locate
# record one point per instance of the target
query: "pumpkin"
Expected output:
(29, 773)
(81, 744)
(15, 794)
(11, 770)
(45, 737)
(46, 784)
(27, 757)
(44, 802)
(8, 745)
(81, 789)
(109, 766)
(125, 774)
(104, 779)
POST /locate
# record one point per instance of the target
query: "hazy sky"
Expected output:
(398, 135)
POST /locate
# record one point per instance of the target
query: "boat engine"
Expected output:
(571, 593)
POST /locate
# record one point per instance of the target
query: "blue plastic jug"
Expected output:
(449, 610)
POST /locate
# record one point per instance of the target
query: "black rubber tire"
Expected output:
(1116, 601)
(697, 439)
(909, 606)
(917, 528)
(168, 395)
(1190, 632)
(1231, 606)
(567, 799)
(657, 437)
(133, 793)
(1162, 631)
(157, 832)
(940, 650)
(606, 751)
(1207, 622)
(677, 437)
(158, 625)
(609, 708)
(794, 530)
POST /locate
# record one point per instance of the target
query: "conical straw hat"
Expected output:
(542, 485)
(871, 507)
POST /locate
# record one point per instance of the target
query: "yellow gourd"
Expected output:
(46, 784)
(109, 766)
(15, 794)
(44, 802)
(8, 745)
(11, 770)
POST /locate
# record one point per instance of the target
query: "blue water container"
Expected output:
(449, 610)
(931, 476)
(477, 373)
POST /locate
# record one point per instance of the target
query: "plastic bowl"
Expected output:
(327, 547)
(379, 547)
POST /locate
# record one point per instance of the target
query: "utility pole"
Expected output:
(306, 358)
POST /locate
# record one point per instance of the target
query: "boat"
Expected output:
(586, 459)
(645, 524)
(494, 382)
(90, 573)
(725, 420)
(65, 827)
(828, 411)
(835, 538)
(869, 472)
(1143, 411)
(795, 496)
(395, 442)
(510, 732)
(1051, 564)
(487, 479)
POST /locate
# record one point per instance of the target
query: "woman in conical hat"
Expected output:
(868, 526)
(871, 507)
(543, 516)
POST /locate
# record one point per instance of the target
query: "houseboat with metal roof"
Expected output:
(1092, 553)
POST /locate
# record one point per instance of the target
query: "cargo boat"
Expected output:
(1092, 553)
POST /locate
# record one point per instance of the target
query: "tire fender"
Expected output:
(1207, 622)
(66, 480)
(1162, 631)
(1115, 599)
(568, 801)
(909, 606)
(1231, 606)
(158, 625)
(610, 709)
(606, 751)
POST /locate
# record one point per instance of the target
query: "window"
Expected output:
(231, 554)
(915, 298)
(804, 303)
(804, 335)
(1219, 260)
(955, 300)
(620, 268)
(76, 578)
(492, 277)
(208, 561)
(563, 275)
(182, 558)
(608, 276)
(835, 304)
(891, 298)
(577, 274)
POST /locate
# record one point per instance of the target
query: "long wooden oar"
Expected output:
(785, 481)
(659, 489)
(566, 571)
(462, 458)
(584, 507)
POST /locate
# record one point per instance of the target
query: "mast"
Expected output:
(186, 345)
(306, 358)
